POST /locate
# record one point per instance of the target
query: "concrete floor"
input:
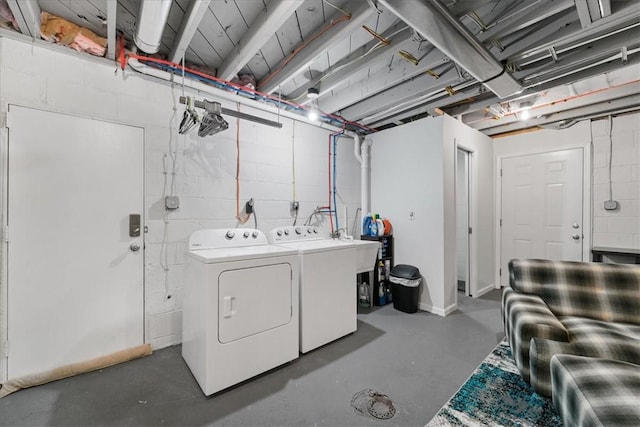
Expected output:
(419, 360)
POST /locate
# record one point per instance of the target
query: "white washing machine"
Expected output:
(328, 295)
(240, 310)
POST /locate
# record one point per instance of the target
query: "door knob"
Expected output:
(134, 247)
(576, 236)
(576, 225)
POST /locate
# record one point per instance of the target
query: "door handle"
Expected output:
(575, 225)
(134, 247)
(576, 236)
(134, 225)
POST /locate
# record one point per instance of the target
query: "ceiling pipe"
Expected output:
(433, 21)
(151, 21)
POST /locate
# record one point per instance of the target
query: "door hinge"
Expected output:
(5, 234)
(5, 349)
(500, 222)
(3, 119)
(470, 230)
(500, 273)
(500, 172)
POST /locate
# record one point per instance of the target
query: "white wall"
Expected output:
(619, 228)
(62, 80)
(413, 169)
(407, 175)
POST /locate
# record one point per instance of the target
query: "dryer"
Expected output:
(328, 294)
(240, 309)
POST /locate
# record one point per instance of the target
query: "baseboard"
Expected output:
(485, 290)
(442, 312)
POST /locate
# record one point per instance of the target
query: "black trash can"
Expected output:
(405, 287)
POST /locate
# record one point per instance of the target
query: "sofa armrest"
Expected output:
(526, 317)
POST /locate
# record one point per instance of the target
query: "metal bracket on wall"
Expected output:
(216, 108)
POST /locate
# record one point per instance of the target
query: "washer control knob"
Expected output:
(298, 230)
(245, 234)
(279, 232)
(254, 234)
(286, 232)
(315, 230)
(230, 234)
(309, 230)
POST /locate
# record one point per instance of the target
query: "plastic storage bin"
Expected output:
(405, 287)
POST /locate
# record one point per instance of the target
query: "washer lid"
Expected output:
(312, 246)
(210, 256)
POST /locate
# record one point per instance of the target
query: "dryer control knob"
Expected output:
(286, 232)
(230, 234)
(309, 230)
(315, 230)
(279, 232)
(245, 234)
(298, 230)
(254, 234)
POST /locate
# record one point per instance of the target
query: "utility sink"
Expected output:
(366, 252)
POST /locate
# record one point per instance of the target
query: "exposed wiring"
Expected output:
(239, 217)
(293, 170)
(301, 46)
(610, 123)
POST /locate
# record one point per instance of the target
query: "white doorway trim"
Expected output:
(586, 204)
(473, 219)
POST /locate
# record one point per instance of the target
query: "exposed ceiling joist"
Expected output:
(188, 28)
(292, 66)
(398, 101)
(362, 59)
(541, 12)
(384, 79)
(582, 6)
(434, 21)
(606, 8)
(112, 6)
(27, 15)
(268, 22)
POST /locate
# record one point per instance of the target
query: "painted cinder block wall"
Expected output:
(59, 79)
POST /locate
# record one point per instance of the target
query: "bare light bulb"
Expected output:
(312, 114)
(524, 114)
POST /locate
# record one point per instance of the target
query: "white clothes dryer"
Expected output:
(240, 310)
(328, 294)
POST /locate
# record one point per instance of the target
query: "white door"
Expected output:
(462, 221)
(75, 286)
(542, 207)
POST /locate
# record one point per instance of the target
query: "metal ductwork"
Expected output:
(152, 18)
(433, 21)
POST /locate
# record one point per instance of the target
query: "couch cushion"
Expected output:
(595, 392)
(587, 337)
(600, 291)
(527, 316)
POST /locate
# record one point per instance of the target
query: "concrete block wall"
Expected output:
(62, 80)
(618, 228)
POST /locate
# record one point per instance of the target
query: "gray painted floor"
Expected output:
(419, 360)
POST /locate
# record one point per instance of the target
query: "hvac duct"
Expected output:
(433, 21)
(152, 18)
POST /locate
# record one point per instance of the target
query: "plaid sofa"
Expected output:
(562, 307)
(595, 392)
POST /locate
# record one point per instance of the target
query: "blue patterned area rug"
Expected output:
(496, 395)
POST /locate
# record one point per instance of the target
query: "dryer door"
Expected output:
(253, 300)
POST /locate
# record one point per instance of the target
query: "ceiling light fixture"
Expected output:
(525, 110)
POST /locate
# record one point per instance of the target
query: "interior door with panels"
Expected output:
(74, 259)
(542, 205)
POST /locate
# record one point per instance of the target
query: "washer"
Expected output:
(240, 310)
(328, 295)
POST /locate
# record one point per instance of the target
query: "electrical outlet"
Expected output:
(295, 205)
(610, 205)
(171, 202)
(248, 207)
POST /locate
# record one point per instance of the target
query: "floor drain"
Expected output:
(373, 403)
